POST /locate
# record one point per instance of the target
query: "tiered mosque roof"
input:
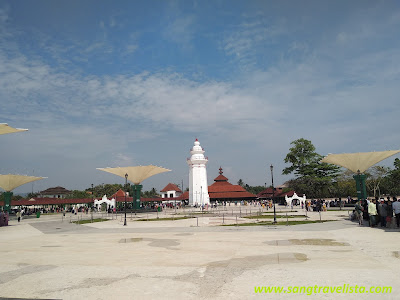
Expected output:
(222, 190)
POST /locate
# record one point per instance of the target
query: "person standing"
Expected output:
(372, 213)
(2, 223)
(382, 208)
(389, 214)
(359, 211)
(19, 215)
(396, 210)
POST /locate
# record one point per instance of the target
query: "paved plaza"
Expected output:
(196, 258)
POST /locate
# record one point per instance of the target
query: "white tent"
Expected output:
(135, 174)
(5, 128)
(9, 182)
(360, 161)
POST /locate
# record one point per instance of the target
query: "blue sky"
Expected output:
(121, 83)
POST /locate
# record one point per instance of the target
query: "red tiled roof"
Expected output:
(119, 193)
(216, 187)
(232, 195)
(221, 178)
(50, 201)
(171, 187)
(268, 193)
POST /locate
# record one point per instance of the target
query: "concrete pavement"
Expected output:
(49, 258)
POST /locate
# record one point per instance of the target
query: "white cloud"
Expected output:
(247, 39)
(339, 95)
(181, 31)
(131, 48)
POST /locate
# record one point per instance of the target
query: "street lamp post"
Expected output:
(273, 191)
(126, 185)
(91, 207)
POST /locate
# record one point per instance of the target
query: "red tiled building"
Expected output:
(55, 192)
(119, 196)
(171, 191)
(279, 194)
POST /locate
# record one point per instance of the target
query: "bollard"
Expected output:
(240, 212)
(287, 220)
(223, 219)
(197, 218)
(236, 220)
(320, 216)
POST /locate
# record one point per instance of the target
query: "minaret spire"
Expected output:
(198, 187)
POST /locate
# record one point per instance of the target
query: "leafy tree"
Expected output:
(374, 179)
(391, 183)
(344, 185)
(105, 189)
(255, 189)
(313, 177)
(75, 194)
(32, 195)
(302, 157)
(251, 189)
(150, 194)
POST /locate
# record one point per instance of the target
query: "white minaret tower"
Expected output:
(198, 187)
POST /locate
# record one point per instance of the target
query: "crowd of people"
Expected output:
(378, 212)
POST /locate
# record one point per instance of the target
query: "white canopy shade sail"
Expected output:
(135, 174)
(360, 161)
(5, 128)
(9, 182)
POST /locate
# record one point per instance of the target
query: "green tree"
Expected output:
(105, 189)
(256, 189)
(76, 194)
(344, 185)
(150, 194)
(313, 177)
(375, 176)
(32, 195)
(391, 182)
(240, 182)
(251, 189)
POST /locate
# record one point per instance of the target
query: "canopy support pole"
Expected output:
(136, 191)
(360, 186)
(7, 201)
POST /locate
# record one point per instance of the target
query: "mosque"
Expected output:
(220, 191)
